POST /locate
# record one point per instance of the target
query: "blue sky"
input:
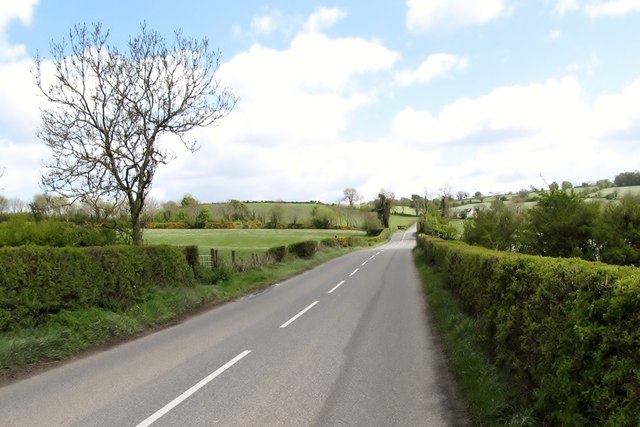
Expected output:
(413, 97)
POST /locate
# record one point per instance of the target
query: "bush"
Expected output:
(20, 231)
(304, 249)
(356, 241)
(567, 329)
(330, 242)
(278, 253)
(192, 255)
(36, 282)
(211, 276)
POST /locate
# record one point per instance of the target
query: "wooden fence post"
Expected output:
(214, 258)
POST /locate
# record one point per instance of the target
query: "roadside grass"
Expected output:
(481, 384)
(71, 332)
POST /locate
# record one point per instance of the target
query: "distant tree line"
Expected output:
(562, 224)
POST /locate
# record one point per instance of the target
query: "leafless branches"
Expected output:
(107, 109)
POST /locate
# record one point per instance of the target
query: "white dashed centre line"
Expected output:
(184, 396)
(354, 272)
(336, 287)
(293, 319)
(362, 265)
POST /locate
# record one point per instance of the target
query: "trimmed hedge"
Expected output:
(305, 249)
(568, 330)
(278, 253)
(37, 281)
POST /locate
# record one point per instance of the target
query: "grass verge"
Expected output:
(71, 332)
(480, 382)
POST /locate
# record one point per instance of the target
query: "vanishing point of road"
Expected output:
(348, 343)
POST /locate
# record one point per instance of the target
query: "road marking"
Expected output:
(290, 321)
(184, 396)
(372, 257)
(336, 287)
(354, 272)
(366, 261)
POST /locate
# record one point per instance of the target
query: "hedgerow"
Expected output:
(37, 281)
(568, 330)
(304, 249)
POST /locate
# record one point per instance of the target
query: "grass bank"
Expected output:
(71, 332)
(484, 389)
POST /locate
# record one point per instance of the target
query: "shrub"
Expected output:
(567, 329)
(211, 276)
(304, 249)
(21, 231)
(330, 242)
(278, 253)
(192, 255)
(36, 282)
(356, 241)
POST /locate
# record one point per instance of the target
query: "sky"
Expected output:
(413, 97)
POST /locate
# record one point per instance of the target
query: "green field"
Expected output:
(241, 240)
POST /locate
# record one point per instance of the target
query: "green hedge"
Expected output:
(278, 253)
(568, 330)
(37, 281)
(305, 249)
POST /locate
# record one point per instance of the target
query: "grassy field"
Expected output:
(396, 220)
(241, 240)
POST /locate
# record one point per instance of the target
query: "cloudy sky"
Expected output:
(410, 96)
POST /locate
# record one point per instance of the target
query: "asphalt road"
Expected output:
(346, 344)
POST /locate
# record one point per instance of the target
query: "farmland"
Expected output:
(241, 240)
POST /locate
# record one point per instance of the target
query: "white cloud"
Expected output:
(324, 18)
(263, 24)
(612, 8)
(503, 140)
(9, 11)
(598, 8)
(304, 91)
(426, 15)
(436, 65)
(565, 6)
(284, 139)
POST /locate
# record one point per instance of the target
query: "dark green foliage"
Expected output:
(278, 253)
(561, 225)
(494, 228)
(618, 232)
(192, 255)
(382, 207)
(212, 276)
(39, 281)
(304, 249)
(567, 329)
(627, 179)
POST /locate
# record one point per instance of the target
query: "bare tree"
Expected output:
(107, 109)
(16, 205)
(351, 195)
(461, 195)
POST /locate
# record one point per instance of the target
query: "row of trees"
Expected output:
(563, 224)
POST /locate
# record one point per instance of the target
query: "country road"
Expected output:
(346, 344)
